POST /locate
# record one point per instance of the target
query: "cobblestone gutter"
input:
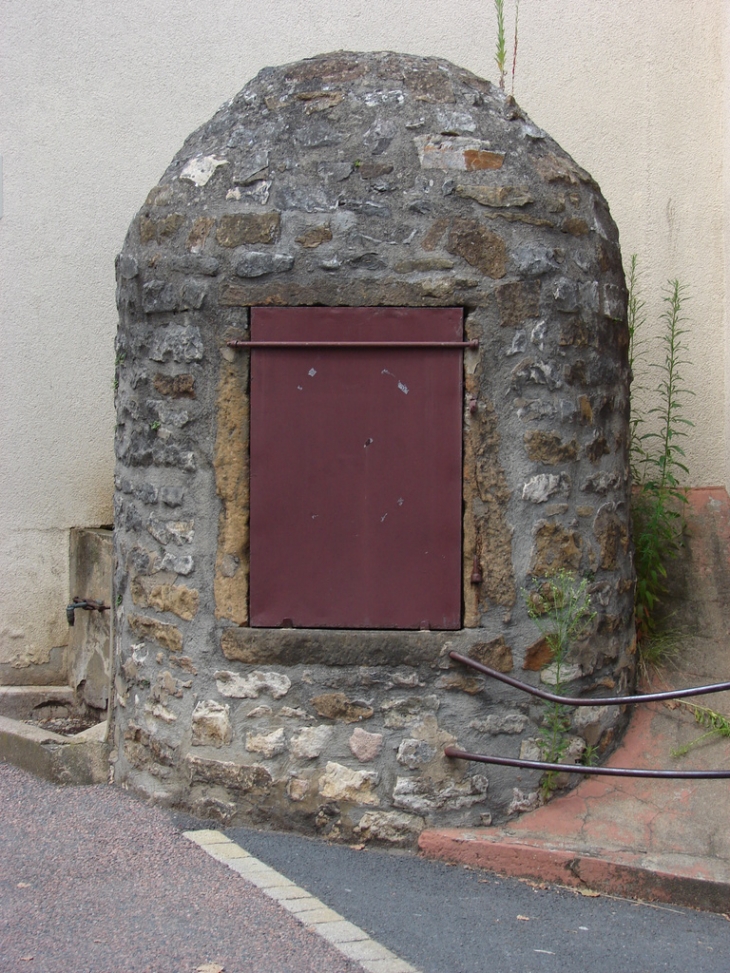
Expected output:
(363, 180)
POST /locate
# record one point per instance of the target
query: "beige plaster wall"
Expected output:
(96, 98)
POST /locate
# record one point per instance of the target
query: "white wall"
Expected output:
(96, 98)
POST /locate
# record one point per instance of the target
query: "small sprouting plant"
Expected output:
(590, 755)
(561, 610)
(121, 357)
(154, 426)
(714, 723)
(501, 54)
(657, 457)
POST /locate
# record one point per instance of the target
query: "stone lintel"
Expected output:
(341, 647)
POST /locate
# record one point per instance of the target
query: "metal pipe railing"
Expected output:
(593, 701)
(718, 687)
(582, 769)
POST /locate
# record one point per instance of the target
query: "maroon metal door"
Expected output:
(356, 470)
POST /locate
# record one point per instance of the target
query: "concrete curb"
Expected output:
(60, 759)
(695, 883)
(353, 942)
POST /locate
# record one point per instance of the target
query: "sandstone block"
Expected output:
(336, 706)
(211, 724)
(556, 547)
(392, 826)
(461, 682)
(168, 636)
(496, 654)
(340, 783)
(478, 246)
(178, 599)
(235, 229)
(549, 448)
(297, 788)
(538, 655)
(245, 778)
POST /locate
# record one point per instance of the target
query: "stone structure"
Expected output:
(364, 180)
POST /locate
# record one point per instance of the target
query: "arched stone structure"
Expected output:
(364, 181)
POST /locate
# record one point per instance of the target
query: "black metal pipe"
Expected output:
(474, 344)
(718, 687)
(595, 771)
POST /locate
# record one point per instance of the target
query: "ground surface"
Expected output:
(94, 881)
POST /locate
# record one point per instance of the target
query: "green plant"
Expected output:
(715, 724)
(154, 426)
(561, 610)
(500, 56)
(590, 756)
(657, 457)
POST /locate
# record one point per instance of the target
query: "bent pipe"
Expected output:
(595, 771)
(718, 687)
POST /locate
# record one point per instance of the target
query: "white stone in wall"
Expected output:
(309, 743)
(530, 750)
(423, 794)
(200, 169)
(211, 724)
(568, 673)
(540, 488)
(230, 684)
(414, 753)
(394, 827)
(494, 724)
(297, 788)
(267, 744)
(339, 783)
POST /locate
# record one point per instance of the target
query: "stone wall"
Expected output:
(364, 180)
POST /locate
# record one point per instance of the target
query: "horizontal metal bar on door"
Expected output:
(474, 344)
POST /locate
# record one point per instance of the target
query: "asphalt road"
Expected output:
(95, 881)
(449, 919)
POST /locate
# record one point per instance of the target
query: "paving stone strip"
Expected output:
(349, 939)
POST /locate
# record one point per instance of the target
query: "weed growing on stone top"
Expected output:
(500, 56)
(561, 610)
(657, 457)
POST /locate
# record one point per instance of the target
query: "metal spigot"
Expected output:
(88, 604)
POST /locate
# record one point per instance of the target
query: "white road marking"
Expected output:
(349, 939)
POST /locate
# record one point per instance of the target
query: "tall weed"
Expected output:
(657, 456)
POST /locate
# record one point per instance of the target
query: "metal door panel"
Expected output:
(356, 470)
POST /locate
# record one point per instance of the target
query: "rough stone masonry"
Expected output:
(365, 180)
